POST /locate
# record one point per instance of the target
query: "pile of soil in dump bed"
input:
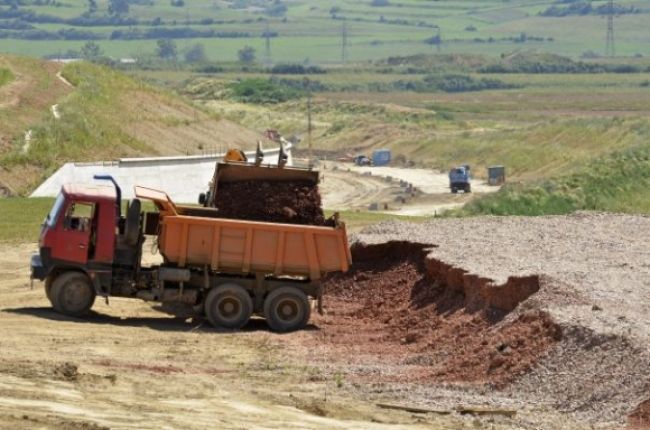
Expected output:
(296, 202)
(389, 306)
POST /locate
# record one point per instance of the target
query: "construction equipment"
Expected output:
(496, 175)
(460, 179)
(231, 171)
(225, 269)
(235, 155)
(381, 157)
(362, 160)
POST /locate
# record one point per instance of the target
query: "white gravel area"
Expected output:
(595, 282)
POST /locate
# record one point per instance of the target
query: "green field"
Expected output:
(311, 31)
(21, 218)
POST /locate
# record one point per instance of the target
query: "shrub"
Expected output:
(262, 91)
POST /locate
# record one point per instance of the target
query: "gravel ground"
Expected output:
(594, 282)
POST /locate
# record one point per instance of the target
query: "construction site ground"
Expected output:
(468, 323)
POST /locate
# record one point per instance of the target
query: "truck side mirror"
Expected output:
(202, 199)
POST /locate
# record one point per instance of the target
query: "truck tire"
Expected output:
(48, 288)
(72, 294)
(287, 309)
(228, 306)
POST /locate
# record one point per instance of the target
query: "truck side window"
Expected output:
(78, 216)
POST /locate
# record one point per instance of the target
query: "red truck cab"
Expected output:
(79, 231)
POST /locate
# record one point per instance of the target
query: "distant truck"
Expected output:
(460, 179)
(381, 157)
(362, 160)
(225, 269)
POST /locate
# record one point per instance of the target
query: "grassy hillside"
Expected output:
(617, 182)
(102, 114)
(311, 31)
(567, 134)
(547, 125)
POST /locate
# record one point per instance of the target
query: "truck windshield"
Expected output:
(50, 220)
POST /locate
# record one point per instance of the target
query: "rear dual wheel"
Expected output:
(228, 306)
(231, 306)
(287, 309)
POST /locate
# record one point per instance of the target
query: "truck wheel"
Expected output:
(48, 289)
(72, 294)
(228, 306)
(287, 309)
(454, 190)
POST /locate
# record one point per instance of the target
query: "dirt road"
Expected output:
(347, 187)
(127, 366)
(341, 190)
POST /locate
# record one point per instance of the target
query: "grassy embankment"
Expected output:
(89, 125)
(617, 182)
(103, 115)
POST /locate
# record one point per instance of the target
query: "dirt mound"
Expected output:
(296, 202)
(640, 417)
(396, 304)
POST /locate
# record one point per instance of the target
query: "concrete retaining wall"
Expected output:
(182, 178)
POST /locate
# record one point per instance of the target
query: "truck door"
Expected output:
(74, 241)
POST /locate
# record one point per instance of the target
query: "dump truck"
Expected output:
(460, 179)
(225, 269)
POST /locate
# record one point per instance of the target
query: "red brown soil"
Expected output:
(296, 202)
(639, 419)
(392, 306)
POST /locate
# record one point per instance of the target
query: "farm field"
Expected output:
(311, 31)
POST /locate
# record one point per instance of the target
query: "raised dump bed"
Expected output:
(245, 247)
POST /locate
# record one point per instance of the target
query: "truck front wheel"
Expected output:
(72, 294)
(48, 288)
(286, 309)
(228, 306)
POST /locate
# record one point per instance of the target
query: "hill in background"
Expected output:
(99, 114)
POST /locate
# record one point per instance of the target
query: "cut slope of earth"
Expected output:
(415, 313)
(102, 116)
(592, 273)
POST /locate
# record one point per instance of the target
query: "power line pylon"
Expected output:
(344, 42)
(267, 46)
(610, 49)
(438, 39)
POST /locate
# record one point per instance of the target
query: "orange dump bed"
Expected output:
(235, 246)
